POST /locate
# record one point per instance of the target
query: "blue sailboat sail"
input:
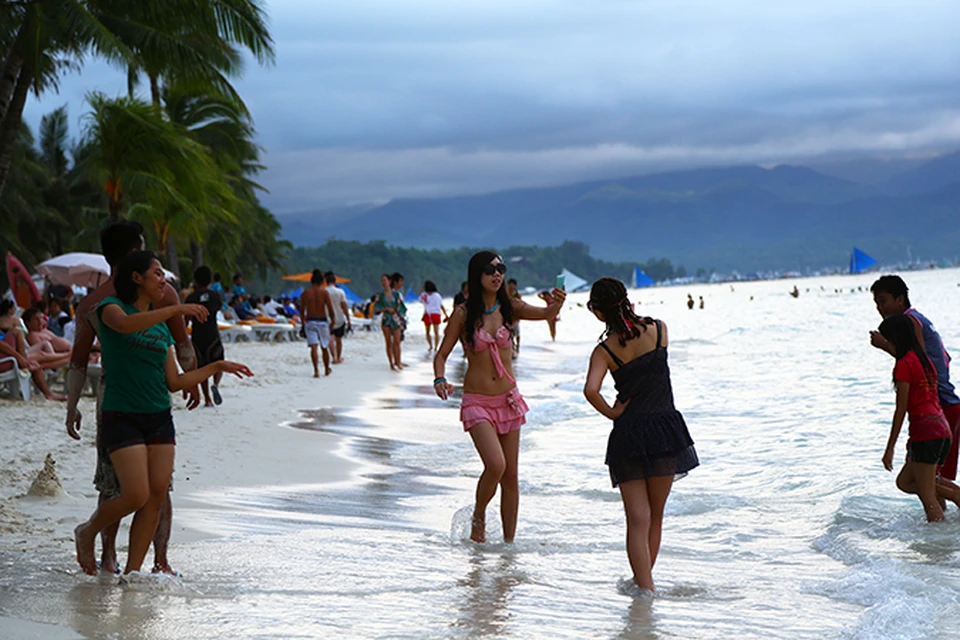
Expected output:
(640, 279)
(859, 261)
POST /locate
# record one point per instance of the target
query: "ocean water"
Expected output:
(790, 528)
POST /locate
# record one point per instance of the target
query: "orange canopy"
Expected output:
(305, 277)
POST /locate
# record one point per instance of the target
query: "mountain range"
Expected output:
(725, 218)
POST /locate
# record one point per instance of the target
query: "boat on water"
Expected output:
(860, 261)
(641, 279)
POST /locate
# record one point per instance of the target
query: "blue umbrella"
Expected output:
(352, 298)
(412, 296)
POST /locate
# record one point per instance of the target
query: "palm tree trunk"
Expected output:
(196, 250)
(10, 126)
(172, 263)
(155, 90)
(12, 63)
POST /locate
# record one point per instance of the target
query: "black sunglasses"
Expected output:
(490, 268)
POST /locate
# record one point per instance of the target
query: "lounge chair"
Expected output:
(16, 380)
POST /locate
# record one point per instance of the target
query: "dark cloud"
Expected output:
(375, 99)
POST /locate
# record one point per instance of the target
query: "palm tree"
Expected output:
(44, 39)
(187, 39)
(68, 192)
(24, 217)
(135, 153)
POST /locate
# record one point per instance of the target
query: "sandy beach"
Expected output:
(246, 442)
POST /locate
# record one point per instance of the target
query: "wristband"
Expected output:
(439, 380)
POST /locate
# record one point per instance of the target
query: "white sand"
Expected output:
(242, 443)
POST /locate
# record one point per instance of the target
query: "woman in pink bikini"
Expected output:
(492, 409)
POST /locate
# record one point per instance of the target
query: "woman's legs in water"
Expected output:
(396, 348)
(921, 480)
(387, 337)
(160, 468)
(132, 469)
(658, 489)
(429, 337)
(487, 443)
(509, 484)
(643, 503)
(948, 490)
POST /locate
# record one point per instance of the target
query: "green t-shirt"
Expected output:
(134, 365)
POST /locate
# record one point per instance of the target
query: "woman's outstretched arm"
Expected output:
(177, 381)
(122, 322)
(525, 311)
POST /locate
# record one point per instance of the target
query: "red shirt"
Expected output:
(923, 403)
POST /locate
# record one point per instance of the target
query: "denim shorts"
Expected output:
(121, 429)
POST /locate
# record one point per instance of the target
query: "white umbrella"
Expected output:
(80, 269)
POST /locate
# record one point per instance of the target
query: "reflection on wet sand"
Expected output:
(487, 587)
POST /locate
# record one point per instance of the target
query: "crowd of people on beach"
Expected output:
(138, 323)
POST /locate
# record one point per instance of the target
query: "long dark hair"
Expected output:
(901, 332)
(609, 297)
(475, 309)
(137, 262)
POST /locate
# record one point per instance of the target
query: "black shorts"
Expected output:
(928, 451)
(340, 331)
(121, 429)
(207, 353)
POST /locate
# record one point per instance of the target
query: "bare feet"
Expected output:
(327, 371)
(86, 555)
(164, 567)
(478, 529)
(316, 374)
(56, 397)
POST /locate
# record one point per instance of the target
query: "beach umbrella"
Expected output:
(352, 297)
(81, 270)
(305, 277)
(296, 293)
(76, 269)
(412, 296)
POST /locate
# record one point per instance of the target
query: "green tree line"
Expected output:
(532, 266)
(179, 157)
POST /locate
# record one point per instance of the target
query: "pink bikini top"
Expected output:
(483, 341)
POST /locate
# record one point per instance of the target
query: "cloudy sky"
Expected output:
(377, 99)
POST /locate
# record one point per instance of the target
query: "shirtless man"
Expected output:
(48, 349)
(14, 345)
(117, 241)
(316, 309)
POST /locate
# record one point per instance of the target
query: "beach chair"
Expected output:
(234, 333)
(16, 380)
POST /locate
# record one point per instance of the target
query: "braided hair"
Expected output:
(609, 297)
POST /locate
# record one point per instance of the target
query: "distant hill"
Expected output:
(932, 174)
(727, 218)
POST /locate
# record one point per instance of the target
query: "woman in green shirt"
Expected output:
(391, 309)
(137, 428)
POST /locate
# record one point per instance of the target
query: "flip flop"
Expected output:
(215, 392)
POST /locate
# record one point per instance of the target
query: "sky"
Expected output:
(377, 99)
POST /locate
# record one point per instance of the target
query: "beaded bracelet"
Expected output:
(438, 381)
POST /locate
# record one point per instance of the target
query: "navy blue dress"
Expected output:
(651, 438)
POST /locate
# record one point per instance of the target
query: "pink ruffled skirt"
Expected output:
(506, 412)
